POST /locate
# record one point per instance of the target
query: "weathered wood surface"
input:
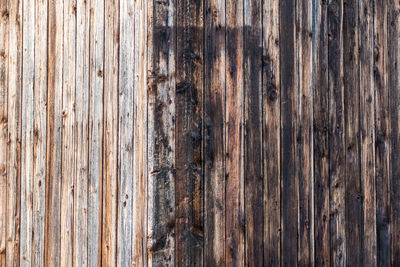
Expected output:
(199, 133)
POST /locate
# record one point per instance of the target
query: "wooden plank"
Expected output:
(321, 135)
(253, 176)
(39, 133)
(337, 187)
(28, 109)
(271, 133)
(214, 133)
(110, 133)
(234, 135)
(382, 133)
(161, 133)
(80, 230)
(4, 51)
(140, 137)
(125, 135)
(289, 184)
(188, 154)
(352, 133)
(96, 78)
(393, 26)
(14, 135)
(304, 136)
(54, 133)
(367, 131)
(68, 134)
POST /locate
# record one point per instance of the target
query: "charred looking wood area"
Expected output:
(199, 133)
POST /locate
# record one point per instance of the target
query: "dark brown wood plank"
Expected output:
(337, 186)
(382, 133)
(161, 127)
(354, 201)
(214, 133)
(253, 176)
(289, 185)
(304, 133)
(321, 135)
(271, 133)
(188, 123)
(234, 161)
(393, 28)
(367, 132)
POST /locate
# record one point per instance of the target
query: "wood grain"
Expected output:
(199, 133)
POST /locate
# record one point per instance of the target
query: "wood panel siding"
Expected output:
(199, 133)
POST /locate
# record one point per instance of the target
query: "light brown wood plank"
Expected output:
(54, 133)
(4, 51)
(110, 134)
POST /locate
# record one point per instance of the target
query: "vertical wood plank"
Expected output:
(321, 134)
(28, 108)
(161, 133)
(39, 132)
(234, 134)
(14, 134)
(96, 84)
(367, 131)
(81, 146)
(54, 133)
(271, 133)
(214, 133)
(337, 187)
(4, 51)
(304, 124)
(253, 179)
(188, 154)
(125, 135)
(382, 133)
(289, 184)
(68, 134)
(352, 133)
(140, 136)
(110, 145)
(393, 26)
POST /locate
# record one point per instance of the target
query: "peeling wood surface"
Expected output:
(199, 133)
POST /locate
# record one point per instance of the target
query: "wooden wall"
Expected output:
(199, 133)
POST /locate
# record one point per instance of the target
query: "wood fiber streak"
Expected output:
(199, 133)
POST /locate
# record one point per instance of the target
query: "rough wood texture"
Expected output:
(199, 133)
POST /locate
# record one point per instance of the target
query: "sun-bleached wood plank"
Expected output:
(125, 135)
(14, 134)
(68, 134)
(4, 29)
(271, 132)
(28, 109)
(214, 133)
(80, 230)
(110, 134)
(54, 133)
(39, 133)
(96, 70)
(139, 193)
(161, 133)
